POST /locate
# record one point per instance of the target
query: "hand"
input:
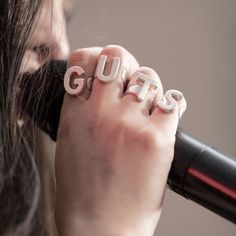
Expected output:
(112, 157)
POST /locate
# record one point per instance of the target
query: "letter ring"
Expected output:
(172, 100)
(115, 70)
(143, 84)
(77, 86)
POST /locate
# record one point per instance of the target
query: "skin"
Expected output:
(49, 30)
(112, 156)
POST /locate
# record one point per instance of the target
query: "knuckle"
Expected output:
(147, 70)
(117, 125)
(121, 124)
(154, 140)
(152, 73)
(148, 139)
(78, 56)
(164, 140)
(113, 50)
(118, 128)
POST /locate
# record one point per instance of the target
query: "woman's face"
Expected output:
(49, 31)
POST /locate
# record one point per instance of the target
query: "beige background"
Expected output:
(191, 44)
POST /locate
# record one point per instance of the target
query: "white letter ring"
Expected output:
(101, 66)
(141, 89)
(80, 82)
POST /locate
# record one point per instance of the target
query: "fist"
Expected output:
(115, 146)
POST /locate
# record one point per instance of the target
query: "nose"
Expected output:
(60, 46)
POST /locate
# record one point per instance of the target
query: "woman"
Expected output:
(113, 151)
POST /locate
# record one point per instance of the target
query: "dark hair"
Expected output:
(19, 179)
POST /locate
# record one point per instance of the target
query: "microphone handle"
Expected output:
(198, 172)
(204, 175)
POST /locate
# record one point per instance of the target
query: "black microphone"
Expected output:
(204, 175)
(198, 172)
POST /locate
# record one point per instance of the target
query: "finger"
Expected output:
(168, 111)
(114, 66)
(143, 87)
(82, 65)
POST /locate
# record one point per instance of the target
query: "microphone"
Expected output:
(204, 175)
(198, 172)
